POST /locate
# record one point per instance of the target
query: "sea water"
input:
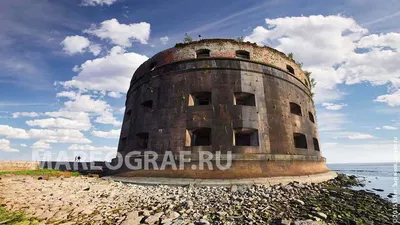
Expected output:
(384, 176)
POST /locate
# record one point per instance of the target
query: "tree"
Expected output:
(187, 38)
(240, 39)
(290, 55)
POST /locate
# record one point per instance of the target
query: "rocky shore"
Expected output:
(90, 200)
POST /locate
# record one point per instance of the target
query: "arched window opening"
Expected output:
(311, 117)
(147, 104)
(200, 98)
(202, 53)
(198, 137)
(290, 69)
(295, 109)
(243, 98)
(142, 140)
(316, 144)
(246, 137)
(243, 54)
(300, 140)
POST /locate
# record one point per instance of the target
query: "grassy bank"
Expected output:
(42, 172)
(15, 218)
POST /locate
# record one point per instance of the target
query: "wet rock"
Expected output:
(377, 189)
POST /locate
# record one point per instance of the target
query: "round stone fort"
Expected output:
(221, 95)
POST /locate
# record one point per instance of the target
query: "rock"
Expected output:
(222, 213)
(299, 201)
(154, 219)
(321, 215)
(234, 188)
(285, 222)
(377, 189)
(86, 189)
(145, 213)
(132, 218)
(188, 204)
(169, 217)
(204, 222)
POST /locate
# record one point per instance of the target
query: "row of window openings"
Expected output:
(240, 98)
(242, 137)
(296, 109)
(205, 53)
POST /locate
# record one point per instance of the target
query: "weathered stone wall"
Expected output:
(171, 76)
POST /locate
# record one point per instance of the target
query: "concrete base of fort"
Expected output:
(268, 181)
(238, 169)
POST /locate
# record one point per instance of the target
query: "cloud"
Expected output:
(5, 146)
(332, 106)
(108, 118)
(25, 114)
(339, 51)
(61, 123)
(386, 128)
(114, 134)
(13, 133)
(90, 148)
(112, 72)
(23, 145)
(114, 94)
(331, 121)
(46, 135)
(121, 34)
(79, 44)
(40, 146)
(392, 99)
(360, 136)
(164, 40)
(98, 2)
(85, 103)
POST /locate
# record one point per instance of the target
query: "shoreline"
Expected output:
(91, 200)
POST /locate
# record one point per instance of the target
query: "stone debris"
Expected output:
(90, 200)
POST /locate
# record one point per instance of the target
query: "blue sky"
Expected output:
(65, 65)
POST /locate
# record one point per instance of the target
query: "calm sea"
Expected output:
(376, 175)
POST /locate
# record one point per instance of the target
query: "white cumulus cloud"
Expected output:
(114, 134)
(112, 72)
(98, 2)
(79, 44)
(164, 40)
(332, 106)
(5, 146)
(91, 148)
(61, 123)
(121, 34)
(25, 114)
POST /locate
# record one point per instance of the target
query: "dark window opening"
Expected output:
(147, 104)
(200, 98)
(142, 140)
(203, 53)
(246, 137)
(311, 117)
(243, 54)
(290, 69)
(153, 66)
(316, 144)
(242, 98)
(300, 140)
(295, 108)
(198, 137)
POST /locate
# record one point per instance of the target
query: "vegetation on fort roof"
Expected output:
(42, 172)
(187, 38)
(310, 80)
(15, 218)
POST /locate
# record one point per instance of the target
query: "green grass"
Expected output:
(15, 218)
(41, 172)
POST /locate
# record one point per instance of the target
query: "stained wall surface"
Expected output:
(162, 115)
